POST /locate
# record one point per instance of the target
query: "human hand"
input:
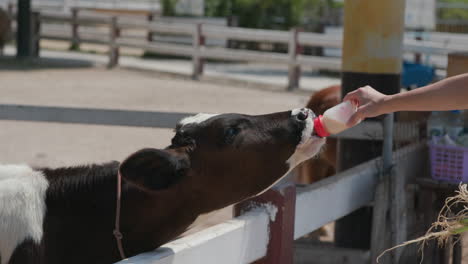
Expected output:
(369, 103)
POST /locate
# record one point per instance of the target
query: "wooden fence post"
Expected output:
(198, 42)
(36, 33)
(232, 21)
(280, 247)
(294, 73)
(75, 41)
(23, 30)
(418, 55)
(150, 19)
(113, 46)
(11, 10)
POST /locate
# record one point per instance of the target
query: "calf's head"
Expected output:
(226, 158)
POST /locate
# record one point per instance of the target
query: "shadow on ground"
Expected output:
(12, 63)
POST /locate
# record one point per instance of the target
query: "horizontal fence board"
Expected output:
(55, 15)
(319, 39)
(326, 63)
(173, 28)
(138, 5)
(237, 241)
(173, 49)
(213, 21)
(248, 34)
(94, 39)
(335, 197)
(83, 18)
(90, 116)
(55, 35)
(433, 47)
(243, 55)
(126, 23)
(444, 37)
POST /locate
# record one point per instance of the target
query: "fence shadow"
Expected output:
(11, 63)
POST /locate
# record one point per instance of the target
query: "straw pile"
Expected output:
(448, 224)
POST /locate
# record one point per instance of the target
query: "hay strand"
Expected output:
(449, 223)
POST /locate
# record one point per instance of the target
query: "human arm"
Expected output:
(448, 94)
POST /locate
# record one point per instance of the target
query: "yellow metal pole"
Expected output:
(372, 55)
(373, 36)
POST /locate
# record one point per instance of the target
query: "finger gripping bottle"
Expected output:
(334, 120)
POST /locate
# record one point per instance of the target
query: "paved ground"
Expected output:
(268, 76)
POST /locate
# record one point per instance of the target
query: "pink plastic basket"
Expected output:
(449, 163)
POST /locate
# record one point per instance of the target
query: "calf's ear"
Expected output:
(154, 169)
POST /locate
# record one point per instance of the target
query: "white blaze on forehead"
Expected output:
(196, 119)
(22, 207)
(296, 111)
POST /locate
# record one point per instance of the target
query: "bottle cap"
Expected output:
(319, 128)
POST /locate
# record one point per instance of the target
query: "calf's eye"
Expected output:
(230, 134)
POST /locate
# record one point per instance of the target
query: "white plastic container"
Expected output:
(436, 125)
(455, 127)
(334, 120)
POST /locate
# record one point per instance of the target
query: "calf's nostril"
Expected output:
(303, 115)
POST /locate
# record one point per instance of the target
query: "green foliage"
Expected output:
(217, 8)
(272, 14)
(453, 13)
(168, 7)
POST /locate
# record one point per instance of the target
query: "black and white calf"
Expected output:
(66, 215)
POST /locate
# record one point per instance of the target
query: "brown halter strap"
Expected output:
(117, 234)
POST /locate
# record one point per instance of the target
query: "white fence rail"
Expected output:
(67, 5)
(240, 240)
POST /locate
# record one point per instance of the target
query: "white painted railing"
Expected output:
(431, 43)
(66, 5)
(240, 240)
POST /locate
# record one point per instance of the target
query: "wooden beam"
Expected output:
(247, 34)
